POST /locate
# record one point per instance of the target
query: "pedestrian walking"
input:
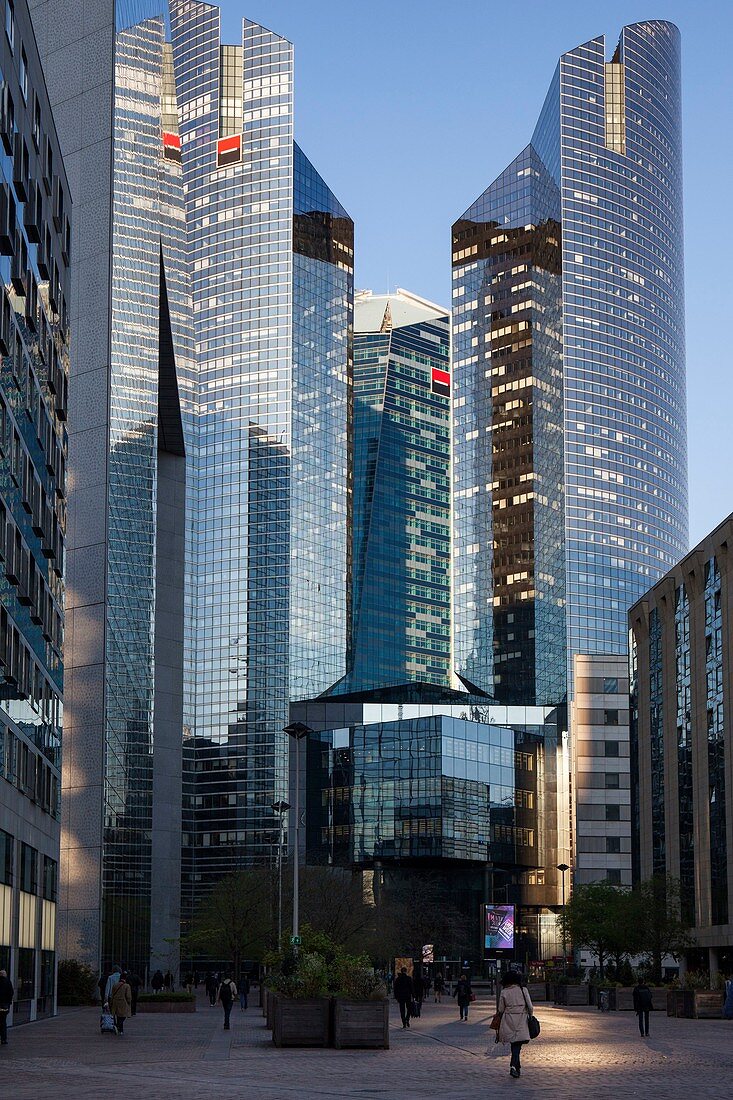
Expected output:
(243, 991)
(211, 988)
(168, 981)
(112, 980)
(6, 1003)
(102, 984)
(438, 987)
(463, 995)
(120, 1003)
(157, 981)
(188, 982)
(227, 993)
(418, 992)
(643, 1006)
(403, 995)
(728, 1006)
(515, 1008)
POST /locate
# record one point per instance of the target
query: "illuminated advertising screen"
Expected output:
(498, 927)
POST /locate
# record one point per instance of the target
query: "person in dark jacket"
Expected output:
(227, 993)
(463, 994)
(243, 990)
(439, 987)
(211, 986)
(157, 981)
(643, 1006)
(134, 981)
(6, 1003)
(403, 995)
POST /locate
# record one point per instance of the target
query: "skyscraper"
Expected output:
(34, 360)
(271, 253)
(569, 375)
(401, 526)
(130, 390)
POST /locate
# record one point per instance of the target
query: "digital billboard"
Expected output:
(498, 927)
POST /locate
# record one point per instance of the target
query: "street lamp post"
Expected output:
(280, 808)
(297, 730)
(563, 867)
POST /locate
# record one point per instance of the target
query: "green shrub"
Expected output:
(166, 998)
(323, 969)
(77, 983)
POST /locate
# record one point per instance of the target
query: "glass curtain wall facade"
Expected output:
(271, 254)
(608, 142)
(35, 252)
(131, 384)
(401, 538)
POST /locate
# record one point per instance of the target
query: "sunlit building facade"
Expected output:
(35, 242)
(271, 256)
(131, 385)
(569, 372)
(401, 536)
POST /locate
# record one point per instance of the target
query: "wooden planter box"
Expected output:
(301, 1023)
(361, 1024)
(695, 1004)
(264, 998)
(166, 1006)
(571, 994)
(537, 991)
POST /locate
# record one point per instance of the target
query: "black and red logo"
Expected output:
(171, 146)
(440, 382)
(228, 151)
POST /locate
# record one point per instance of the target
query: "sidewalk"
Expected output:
(581, 1053)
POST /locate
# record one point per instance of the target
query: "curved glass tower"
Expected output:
(609, 139)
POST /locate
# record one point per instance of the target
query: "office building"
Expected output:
(601, 772)
(682, 744)
(401, 537)
(422, 780)
(569, 373)
(109, 76)
(271, 252)
(35, 211)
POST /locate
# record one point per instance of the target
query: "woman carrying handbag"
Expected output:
(516, 1012)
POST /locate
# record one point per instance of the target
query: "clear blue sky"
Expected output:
(410, 108)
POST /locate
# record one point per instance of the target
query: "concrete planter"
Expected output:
(362, 1024)
(166, 1006)
(301, 1023)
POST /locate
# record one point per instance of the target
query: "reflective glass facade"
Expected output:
(618, 197)
(271, 255)
(401, 524)
(35, 252)
(465, 789)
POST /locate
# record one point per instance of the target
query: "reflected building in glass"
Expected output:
(569, 373)
(271, 256)
(425, 788)
(131, 386)
(401, 538)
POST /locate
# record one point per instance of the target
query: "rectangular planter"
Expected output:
(361, 1024)
(695, 1004)
(571, 995)
(301, 1023)
(270, 1009)
(166, 1006)
(537, 991)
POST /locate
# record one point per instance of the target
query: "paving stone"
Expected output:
(580, 1053)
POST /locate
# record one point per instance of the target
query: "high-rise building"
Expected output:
(35, 239)
(401, 539)
(682, 744)
(271, 253)
(569, 373)
(130, 403)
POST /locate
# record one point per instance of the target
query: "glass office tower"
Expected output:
(401, 529)
(604, 161)
(271, 254)
(35, 281)
(131, 387)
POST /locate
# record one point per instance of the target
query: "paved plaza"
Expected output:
(580, 1054)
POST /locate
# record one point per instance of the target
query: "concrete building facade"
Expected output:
(682, 740)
